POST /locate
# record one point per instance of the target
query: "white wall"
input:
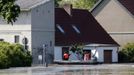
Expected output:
(99, 53)
(57, 53)
(21, 27)
(9, 37)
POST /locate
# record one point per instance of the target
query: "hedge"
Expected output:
(127, 53)
(14, 55)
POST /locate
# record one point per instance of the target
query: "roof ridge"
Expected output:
(26, 5)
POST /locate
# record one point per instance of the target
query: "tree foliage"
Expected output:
(81, 4)
(9, 10)
(127, 53)
(57, 3)
(78, 48)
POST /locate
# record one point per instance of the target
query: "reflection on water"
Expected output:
(98, 72)
(70, 71)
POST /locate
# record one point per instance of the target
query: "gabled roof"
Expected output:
(90, 30)
(129, 4)
(28, 4)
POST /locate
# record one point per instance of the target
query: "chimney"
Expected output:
(68, 8)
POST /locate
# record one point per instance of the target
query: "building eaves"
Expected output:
(96, 5)
(103, 45)
(119, 2)
(128, 6)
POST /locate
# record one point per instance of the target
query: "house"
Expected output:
(117, 18)
(33, 29)
(74, 26)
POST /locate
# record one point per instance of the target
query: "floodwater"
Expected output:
(72, 70)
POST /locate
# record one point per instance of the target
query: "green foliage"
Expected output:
(78, 48)
(127, 53)
(4, 60)
(9, 10)
(57, 3)
(13, 55)
(81, 4)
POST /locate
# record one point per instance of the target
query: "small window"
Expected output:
(16, 38)
(76, 29)
(87, 54)
(50, 43)
(60, 28)
(1, 39)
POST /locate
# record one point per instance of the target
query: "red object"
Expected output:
(66, 56)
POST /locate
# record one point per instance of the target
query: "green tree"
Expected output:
(84, 4)
(57, 3)
(81, 4)
(127, 53)
(9, 10)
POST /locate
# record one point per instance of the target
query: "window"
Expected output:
(1, 39)
(50, 43)
(16, 38)
(76, 29)
(59, 27)
(87, 54)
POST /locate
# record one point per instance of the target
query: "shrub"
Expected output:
(127, 53)
(4, 60)
(14, 55)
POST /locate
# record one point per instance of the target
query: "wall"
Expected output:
(101, 53)
(43, 30)
(57, 53)
(21, 27)
(116, 20)
(98, 51)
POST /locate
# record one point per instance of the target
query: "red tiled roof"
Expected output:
(91, 31)
(129, 4)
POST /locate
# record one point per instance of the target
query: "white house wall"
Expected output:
(43, 30)
(57, 53)
(98, 51)
(21, 27)
(101, 53)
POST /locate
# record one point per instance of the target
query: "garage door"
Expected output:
(107, 56)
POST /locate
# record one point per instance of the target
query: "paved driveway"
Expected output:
(101, 69)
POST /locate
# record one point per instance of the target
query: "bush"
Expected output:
(127, 53)
(14, 55)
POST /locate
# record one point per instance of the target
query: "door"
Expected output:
(107, 56)
(87, 55)
(65, 50)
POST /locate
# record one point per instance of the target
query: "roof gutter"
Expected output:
(40, 3)
(96, 5)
